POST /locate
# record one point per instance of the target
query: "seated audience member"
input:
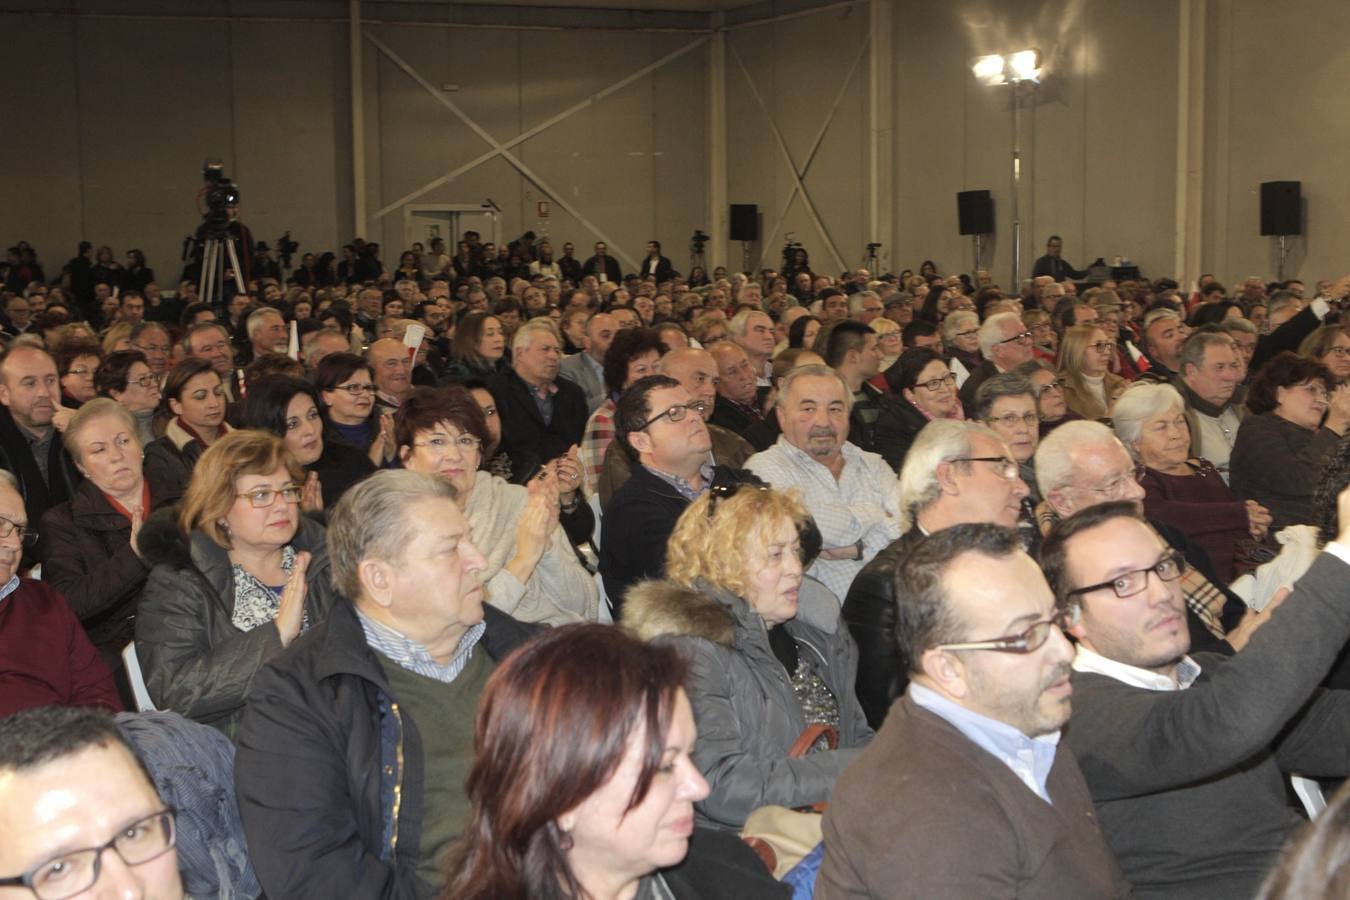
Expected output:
(289, 408)
(542, 416)
(587, 366)
(961, 337)
(92, 555)
(45, 655)
(1082, 464)
(737, 408)
(1211, 372)
(956, 473)
(362, 730)
(660, 424)
(1005, 343)
(1183, 754)
(392, 368)
(29, 446)
(72, 789)
(1008, 406)
(752, 330)
(967, 790)
(152, 339)
(346, 384)
(211, 341)
(1163, 334)
(195, 396)
(1050, 405)
(696, 371)
(76, 360)
(852, 495)
(766, 433)
(478, 349)
(802, 332)
(764, 665)
(1291, 320)
(1044, 338)
(925, 390)
(530, 571)
(582, 758)
(888, 345)
(1090, 387)
(1181, 490)
(1312, 864)
(634, 353)
(1329, 345)
(1298, 415)
(875, 424)
(126, 377)
(235, 579)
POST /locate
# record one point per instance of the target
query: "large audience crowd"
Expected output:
(505, 574)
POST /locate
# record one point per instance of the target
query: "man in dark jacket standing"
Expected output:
(30, 448)
(357, 740)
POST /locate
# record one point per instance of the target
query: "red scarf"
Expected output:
(145, 502)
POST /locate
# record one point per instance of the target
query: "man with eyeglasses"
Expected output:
(45, 656)
(1082, 464)
(1005, 343)
(1211, 372)
(660, 424)
(80, 815)
(956, 473)
(967, 791)
(1183, 751)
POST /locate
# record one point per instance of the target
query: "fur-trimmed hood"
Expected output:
(652, 609)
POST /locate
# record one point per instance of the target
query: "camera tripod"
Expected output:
(215, 250)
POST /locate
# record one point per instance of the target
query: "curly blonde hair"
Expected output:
(715, 548)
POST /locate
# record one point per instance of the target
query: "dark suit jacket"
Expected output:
(983, 372)
(730, 416)
(1287, 337)
(38, 496)
(870, 611)
(663, 268)
(526, 438)
(594, 267)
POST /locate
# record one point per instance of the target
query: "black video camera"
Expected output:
(221, 192)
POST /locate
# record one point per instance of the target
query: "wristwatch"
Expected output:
(859, 546)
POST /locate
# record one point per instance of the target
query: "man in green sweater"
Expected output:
(1184, 755)
(357, 741)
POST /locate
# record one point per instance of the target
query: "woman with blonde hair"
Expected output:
(766, 649)
(1090, 387)
(237, 577)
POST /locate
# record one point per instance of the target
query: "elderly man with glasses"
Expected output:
(1005, 343)
(966, 791)
(1183, 751)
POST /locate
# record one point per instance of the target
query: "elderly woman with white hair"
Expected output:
(1184, 491)
(961, 337)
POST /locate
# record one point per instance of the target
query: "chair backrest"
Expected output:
(137, 679)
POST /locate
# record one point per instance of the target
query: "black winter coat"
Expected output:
(525, 437)
(328, 772)
(195, 661)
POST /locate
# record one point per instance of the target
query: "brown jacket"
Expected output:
(925, 813)
(1081, 400)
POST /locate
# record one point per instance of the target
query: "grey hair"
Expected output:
(1141, 402)
(256, 317)
(855, 302)
(1004, 384)
(941, 440)
(1235, 324)
(958, 321)
(525, 333)
(1054, 455)
(1197, 345)
(741, 321)
(7, 477)
(818, 371)
(373, 521)
(1280, 300)
(90, 410)
(991, 332)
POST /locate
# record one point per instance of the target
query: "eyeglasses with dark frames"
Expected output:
(723, 491)
(357, 390)
(76, 871)
(1007, 467)
(27, 536)
(1012, 420)
(937, 384)
(1170, 567)
(676, 413)
(1024, 337)
(1028, 641)
(1056, 385)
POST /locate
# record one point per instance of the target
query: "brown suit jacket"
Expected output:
(925, 813)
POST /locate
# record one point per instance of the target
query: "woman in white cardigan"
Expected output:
(532, 572)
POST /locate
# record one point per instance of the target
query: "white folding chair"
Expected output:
(137, 679)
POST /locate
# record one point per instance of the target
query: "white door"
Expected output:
(449, 221)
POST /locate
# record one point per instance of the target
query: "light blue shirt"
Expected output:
(1029, 758)
(10, 587)
(408, 654)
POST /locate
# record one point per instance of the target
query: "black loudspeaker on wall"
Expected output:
(1281, 207)
(975, 212)
(744, 222)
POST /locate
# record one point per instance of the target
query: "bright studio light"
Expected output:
(989, 69)
(1024, 65)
